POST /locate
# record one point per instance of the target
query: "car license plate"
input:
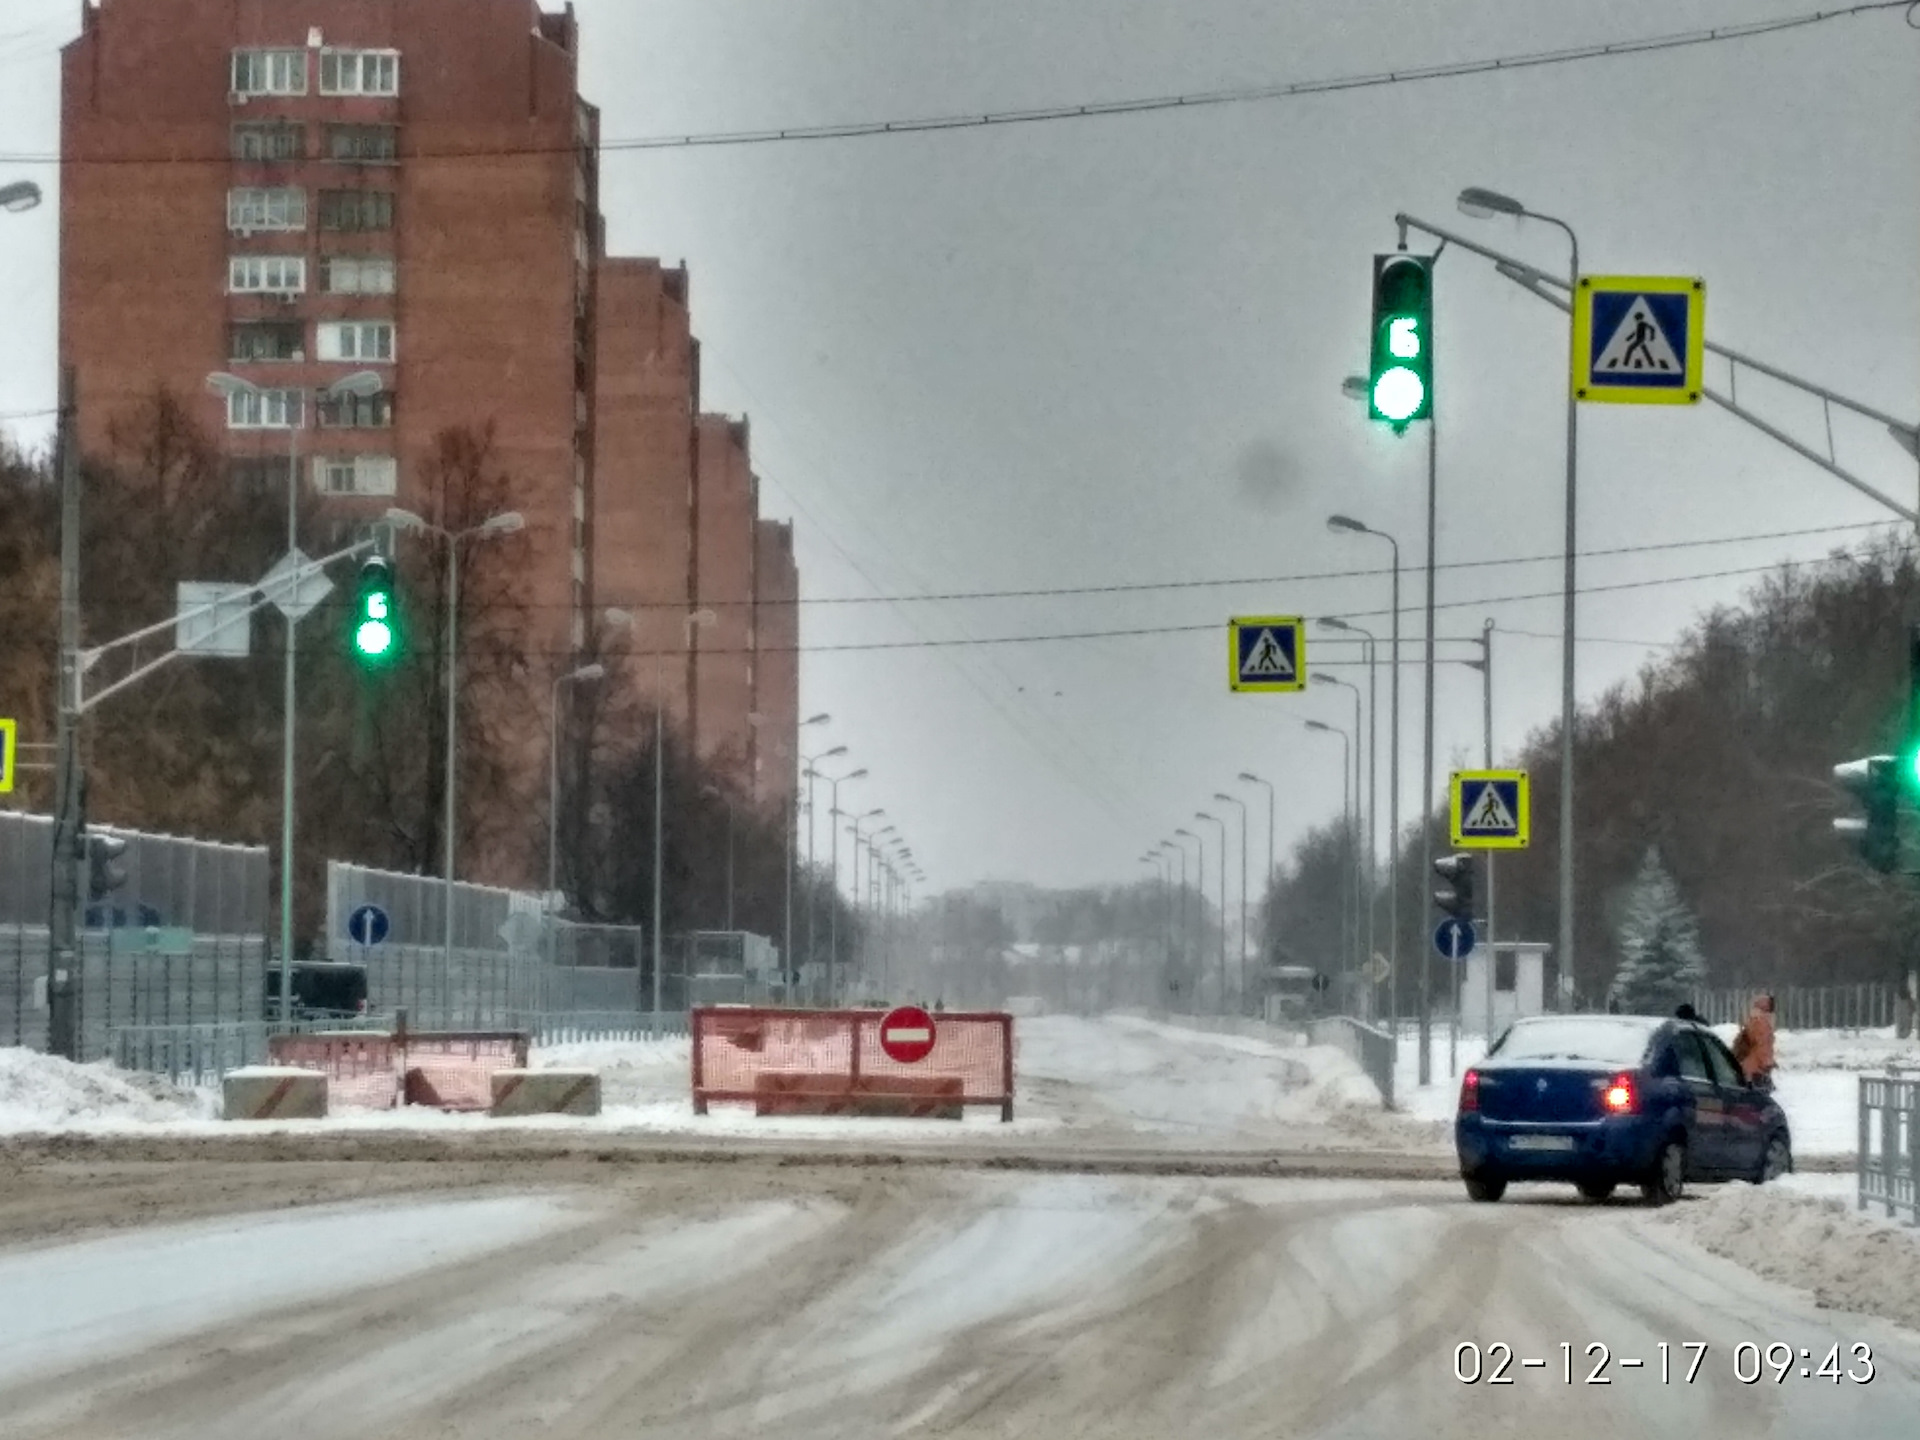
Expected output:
(1540, 1142)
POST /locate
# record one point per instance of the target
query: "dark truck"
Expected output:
(320, 991)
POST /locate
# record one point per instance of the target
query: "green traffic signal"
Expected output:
(375, 637)
(1400, 376)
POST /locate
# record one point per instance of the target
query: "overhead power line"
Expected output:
(1107, 109)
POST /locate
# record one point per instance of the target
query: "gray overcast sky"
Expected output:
(1110, 351)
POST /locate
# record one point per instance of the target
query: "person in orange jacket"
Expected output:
(1753, 1046)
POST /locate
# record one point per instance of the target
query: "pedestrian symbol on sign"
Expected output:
(1638, 346)
(1490, 813)
(1268, 661)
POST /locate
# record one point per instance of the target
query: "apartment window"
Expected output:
(357, 412)
(359, 72)
(277, 274)
(358, 274)
(363, 340)
(258, 474)
(251, 208)
(263, 409)
(356, 209)
(356, 475)
(269, 72)
(266, 340)
(269, 141)
(363, 144)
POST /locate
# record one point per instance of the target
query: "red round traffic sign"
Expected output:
(906, 1034)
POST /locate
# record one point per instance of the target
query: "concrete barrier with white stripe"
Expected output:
(272, 1092)
(545, 1092)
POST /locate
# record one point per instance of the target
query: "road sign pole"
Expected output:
(63, 921)
(1568, 609)
(292, 620)
(1426, 767)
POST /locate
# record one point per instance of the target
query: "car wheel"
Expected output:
(1595, 1190)
(1487, 1190)
(1667, 1181)
(1775, 1161)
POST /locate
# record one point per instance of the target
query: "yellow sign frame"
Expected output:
(9, 746)
(1523, 789)
(1586, 388)
(1297, 624)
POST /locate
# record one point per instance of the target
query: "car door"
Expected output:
(1707, 1143)
(1745, 1117)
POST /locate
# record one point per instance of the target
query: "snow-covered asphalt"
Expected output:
(698, 1301)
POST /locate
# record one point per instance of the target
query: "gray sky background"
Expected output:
(1109, 351)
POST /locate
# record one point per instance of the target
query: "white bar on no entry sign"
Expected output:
(914, 1036)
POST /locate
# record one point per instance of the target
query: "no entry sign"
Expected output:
(906, 1034)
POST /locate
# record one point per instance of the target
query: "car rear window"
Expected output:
(1602, 1038)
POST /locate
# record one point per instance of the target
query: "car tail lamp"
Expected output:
(1470, 1091)
(1619, 1097)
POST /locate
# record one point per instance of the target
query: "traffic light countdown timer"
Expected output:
(1400, 375)
(376, 629)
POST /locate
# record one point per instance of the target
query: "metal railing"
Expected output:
(1888, 1165)
(1868, 1006)
(577, 1026)
(197, 1055)
(1371, 1048)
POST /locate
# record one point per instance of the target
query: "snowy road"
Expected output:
(753, 1299)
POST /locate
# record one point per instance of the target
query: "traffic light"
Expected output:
(376, 634)
(1876, 783)
(105, 873)
(1400, 377)
(1457, 899)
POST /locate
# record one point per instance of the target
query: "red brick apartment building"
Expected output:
(291, 190)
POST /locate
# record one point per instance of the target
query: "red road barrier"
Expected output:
(448, 1070)
(780, 1060)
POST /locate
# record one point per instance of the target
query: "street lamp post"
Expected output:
(594, 671)
(1247, 777)
(1235, 800)
(506, 523)
(1362, 934)
(360, 383)
(1373, 762)
(1355, 527)
(813, 909)
(1188, 943)
(1346, 811)
(1203, 815)
(786, 955)
(858, 821)
(833, 915)
(19, 195)
(1482, 204)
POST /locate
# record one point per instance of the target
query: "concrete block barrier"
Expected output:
(269, 1092)
(545, 1092)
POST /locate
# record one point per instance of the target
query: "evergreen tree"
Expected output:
(1659, 939)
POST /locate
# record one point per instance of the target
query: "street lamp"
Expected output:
(1346, 803)
(508, 522)
(812, 908)
(1187, 927)
(20, 196)
(1481, 204)
(833, 915)
(1235, 800)
(361, 382)
(585, 673)
(787, 954)
(1348, 525)
(1247, 777)
(1373, 757)
(858, 821)
(1203, 815)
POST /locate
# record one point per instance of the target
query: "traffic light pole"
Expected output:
(63, 918)
(286, 739)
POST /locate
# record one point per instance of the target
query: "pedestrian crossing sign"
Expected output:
(1267, 653)
(9, 736)
(1640, 339)
(1491, 810)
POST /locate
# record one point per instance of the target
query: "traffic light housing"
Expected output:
(376, 628)
(1400, 375)
(105, 873)
(1876, 783)
(1458, 872)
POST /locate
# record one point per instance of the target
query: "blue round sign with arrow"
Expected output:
(1454, 940)
(367, 925)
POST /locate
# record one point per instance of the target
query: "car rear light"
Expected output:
(1470, 1092)
(1619, 1097)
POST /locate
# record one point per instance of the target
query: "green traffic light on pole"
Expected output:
(375, 635)
(1400, 376)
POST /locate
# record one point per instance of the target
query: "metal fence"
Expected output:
(1870, 1006)
(1888, 1165)
(182, 942)
(1372, 1048)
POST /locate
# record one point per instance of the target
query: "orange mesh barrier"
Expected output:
(759, 1056)
(449, 1071)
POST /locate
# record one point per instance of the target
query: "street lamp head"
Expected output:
(820, 719)
(1332, 622)
(509, 523)
(20, 196)
(831, 754)
(1322, 725)
(363, 384)
(595, 671)
(221, 383)
(1250, 778)
(405, 520)
(1485, 204)
(1348, 523)
(856, 775)
(1188, 833)
(1203, 815)
(1230, 799)
(1354, 387)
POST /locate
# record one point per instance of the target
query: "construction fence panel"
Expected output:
(1888, 1161)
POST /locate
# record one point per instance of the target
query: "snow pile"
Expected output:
(43, 1092)
(633, 1073)
(1847, 1261)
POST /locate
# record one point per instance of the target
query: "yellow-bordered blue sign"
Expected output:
(9, 738)
(1640, 339)
(1491, 810)
(1267, 653)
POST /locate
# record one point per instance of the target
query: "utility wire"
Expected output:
(1102, 109)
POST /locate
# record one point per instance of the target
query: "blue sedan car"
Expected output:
(1606, 1100)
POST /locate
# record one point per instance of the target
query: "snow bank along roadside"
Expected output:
(1814, 1242)
(43, 1092)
